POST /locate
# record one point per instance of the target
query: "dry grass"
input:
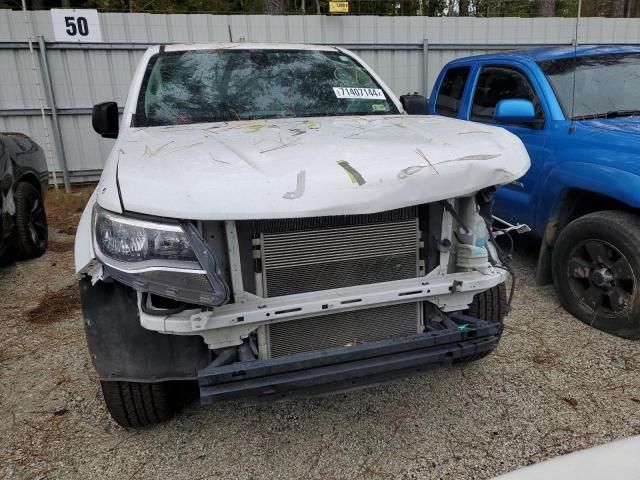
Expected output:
(59, 247)
(56, 306)
(64, 209)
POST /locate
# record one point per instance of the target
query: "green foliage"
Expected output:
(432, 8)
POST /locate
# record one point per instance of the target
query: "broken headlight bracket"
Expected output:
(208, 261)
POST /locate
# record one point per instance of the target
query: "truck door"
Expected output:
(514, 202)
(448, 101)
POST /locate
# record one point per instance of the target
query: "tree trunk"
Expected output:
(274, 7)
(617, 8)
(546, 8)
(318, 7)
(463, 7)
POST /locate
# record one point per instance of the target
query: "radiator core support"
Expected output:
(296, 261)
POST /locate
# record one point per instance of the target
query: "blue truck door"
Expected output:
(496, 81)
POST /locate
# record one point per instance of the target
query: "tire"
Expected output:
(596, 267)
(31, 222)
(488, 305)
(135, 405)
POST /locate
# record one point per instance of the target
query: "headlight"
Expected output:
(157, 258)
(130, 240)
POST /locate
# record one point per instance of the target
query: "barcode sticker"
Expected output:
(361, 93)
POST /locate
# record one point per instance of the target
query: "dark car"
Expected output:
(23, 186)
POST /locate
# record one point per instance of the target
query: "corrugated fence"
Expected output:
(407, 52)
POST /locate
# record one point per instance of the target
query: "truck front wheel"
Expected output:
(488, 305)
(136, 404)
(595, 265)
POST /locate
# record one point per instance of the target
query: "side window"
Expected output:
(501, 83)
(451, 90)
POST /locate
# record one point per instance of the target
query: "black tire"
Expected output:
(595, 265)
(134, 404)
(31, 222)
(488, 305)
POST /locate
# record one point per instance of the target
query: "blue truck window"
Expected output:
(604, 84)
(501, 83)
(451, 90)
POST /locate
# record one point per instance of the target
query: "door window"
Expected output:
(502, 83)
(451, 90)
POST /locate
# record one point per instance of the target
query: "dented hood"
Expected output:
(310, 167)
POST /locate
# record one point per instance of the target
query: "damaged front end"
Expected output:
(277, 307)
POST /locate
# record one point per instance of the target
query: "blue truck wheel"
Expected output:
(596, 264)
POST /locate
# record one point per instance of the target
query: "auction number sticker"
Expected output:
(361, 93)
(76, 25)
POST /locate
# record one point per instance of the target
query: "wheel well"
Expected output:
(573, 204)
(32, 179)
(576, 203)
(584, 202)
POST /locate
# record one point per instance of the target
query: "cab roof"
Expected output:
(554, 53)
(243, 46)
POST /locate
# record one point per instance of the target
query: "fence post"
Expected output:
(48, 88)
(425, 66)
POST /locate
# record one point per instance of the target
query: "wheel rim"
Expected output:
(601, 277)
(37, 221)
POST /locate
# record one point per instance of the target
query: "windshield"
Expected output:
(222, 85)
(605, 84)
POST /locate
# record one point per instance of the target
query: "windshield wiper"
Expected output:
(609, 114)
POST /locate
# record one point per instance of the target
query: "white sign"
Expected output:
(76, 25)
(357, 92)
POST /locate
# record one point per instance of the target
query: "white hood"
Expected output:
(309, 167)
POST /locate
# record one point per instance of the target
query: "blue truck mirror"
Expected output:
(515, 110)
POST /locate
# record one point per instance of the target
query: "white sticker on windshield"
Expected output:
(356, 92)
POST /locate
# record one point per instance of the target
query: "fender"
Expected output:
(614, 183)
(107, 195)
(83, 248)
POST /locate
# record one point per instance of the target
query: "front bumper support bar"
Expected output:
(345, 368)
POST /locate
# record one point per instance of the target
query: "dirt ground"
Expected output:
(554, 385)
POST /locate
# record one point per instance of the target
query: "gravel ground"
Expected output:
(553, 385)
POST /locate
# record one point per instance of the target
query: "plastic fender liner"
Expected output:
(121, 349)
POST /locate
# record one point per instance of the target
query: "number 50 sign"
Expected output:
(76, 25)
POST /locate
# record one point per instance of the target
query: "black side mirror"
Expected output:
(105, 119)
(414, 104)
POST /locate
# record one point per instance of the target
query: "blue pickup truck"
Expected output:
(578, 113)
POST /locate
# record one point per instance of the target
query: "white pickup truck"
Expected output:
(271, 223)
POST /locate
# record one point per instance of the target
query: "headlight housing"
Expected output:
(140, 243)
(158, 258)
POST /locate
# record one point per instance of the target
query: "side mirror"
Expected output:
(414, 104)
(105, 119)
(515, 110)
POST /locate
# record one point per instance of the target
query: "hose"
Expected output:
(485, 199)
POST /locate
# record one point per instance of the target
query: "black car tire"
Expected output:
(488, 305)
(31, 222)
(135, 404)
(596, 264)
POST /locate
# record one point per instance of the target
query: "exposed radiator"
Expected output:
(338, 252)
(311, 260)
(345, 328)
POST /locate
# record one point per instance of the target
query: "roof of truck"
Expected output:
(244, 46)
(555, 53)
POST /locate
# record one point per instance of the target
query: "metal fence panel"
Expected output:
(407, 52)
